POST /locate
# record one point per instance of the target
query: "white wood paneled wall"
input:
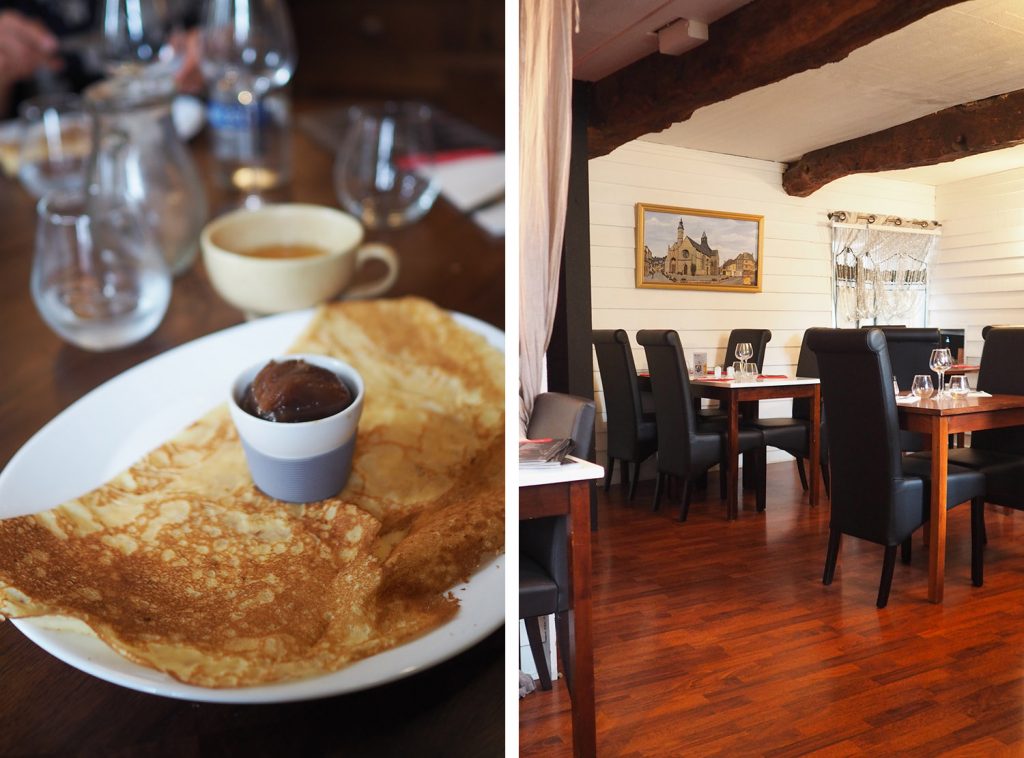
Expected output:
(977, 277)
(796, 292)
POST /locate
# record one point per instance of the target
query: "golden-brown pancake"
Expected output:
(180, 563)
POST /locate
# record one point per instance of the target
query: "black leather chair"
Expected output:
(632, 432)
(878, 494)
(910, 349)
(999, 453)
(758, 339)
(543, 555)
(986, 329)
(791, 434)
(688, 447)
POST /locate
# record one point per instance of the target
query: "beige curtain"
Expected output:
(545, 97)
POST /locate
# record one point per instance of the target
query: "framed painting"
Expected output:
(684, 248)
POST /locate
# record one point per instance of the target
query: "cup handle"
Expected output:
(379, 252)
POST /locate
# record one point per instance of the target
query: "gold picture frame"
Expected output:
(690, 249)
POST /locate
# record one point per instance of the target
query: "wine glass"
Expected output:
(137, 38)
(940, 362)
(922, 386)
(744, 351)
(384, 173)
(250, 41)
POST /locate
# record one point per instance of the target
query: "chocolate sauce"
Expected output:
(294, 390)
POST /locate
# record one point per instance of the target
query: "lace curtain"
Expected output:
(880, 265)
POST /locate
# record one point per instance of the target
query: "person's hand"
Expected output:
(189, 78)
(25, 45)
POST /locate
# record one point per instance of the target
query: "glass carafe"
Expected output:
(138, 160)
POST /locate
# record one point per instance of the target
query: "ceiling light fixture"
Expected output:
(681, 35)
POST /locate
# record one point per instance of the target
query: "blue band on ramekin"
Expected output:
(301, 480)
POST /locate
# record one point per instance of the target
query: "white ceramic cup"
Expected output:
(259, 286)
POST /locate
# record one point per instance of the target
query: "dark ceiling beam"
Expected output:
(967, 129)
(760, 43)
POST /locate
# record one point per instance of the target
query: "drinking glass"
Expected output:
(744, 351)
(55, 143)
(98, 280)
(940, 362)
(922, 386)
(384, 172)
(959, 386)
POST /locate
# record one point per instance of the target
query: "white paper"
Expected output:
(468, 182)
(492, 218)
(465, 182)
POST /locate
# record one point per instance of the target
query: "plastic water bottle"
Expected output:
(251, 141)
(248, 57)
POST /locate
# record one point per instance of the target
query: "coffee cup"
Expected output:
(290, 256)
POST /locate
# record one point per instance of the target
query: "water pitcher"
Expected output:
(138, 160)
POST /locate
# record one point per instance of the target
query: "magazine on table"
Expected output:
(543, 453)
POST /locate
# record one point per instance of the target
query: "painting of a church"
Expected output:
(679, 248)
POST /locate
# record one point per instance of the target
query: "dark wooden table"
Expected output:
(48, 707)
(939, 419)
(565, 493)
(732, 395)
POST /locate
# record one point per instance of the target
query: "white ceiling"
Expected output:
(966, 52)
(614, 33)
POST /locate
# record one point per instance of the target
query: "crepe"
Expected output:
(181, 564)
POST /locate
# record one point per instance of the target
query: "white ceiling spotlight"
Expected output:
(681, 35)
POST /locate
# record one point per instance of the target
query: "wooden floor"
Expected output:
(718, 638)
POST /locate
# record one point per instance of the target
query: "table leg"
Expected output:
(937, 508)
(733, 457)
(814, 448)
(581, 641)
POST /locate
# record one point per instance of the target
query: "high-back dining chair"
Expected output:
(910, 349)
(878, 494)
(758, 339)
(543, 542)
(688, 447)
(632, 433)
(999, 453)
(791, 434)
(986, 329)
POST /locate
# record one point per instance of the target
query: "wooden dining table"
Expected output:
(939, 418)
(734, 394)
(564, 492)
(48, 707)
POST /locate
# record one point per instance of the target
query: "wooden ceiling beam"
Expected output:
(760, 43)
(967, 129)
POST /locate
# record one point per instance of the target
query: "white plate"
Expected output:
(142, 408)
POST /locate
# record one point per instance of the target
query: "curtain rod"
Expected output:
(871, 218)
